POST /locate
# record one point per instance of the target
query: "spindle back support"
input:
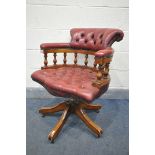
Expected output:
(65, 51)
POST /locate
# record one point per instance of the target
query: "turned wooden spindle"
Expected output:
(95, 64)
(99, 73)
(45, 59)
(102, 75)
(55, 60)
(106, 70)
(86, 60)
(65, 60)
(75, 58)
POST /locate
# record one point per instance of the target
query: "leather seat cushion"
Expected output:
(69, 82)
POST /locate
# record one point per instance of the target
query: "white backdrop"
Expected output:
(50, 21)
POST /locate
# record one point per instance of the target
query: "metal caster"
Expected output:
(42, 115)
(97, 111)
(99, 135)
(101, 132)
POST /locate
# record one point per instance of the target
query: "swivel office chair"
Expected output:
(81, 84)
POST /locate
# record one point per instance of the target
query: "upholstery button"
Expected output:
(101, 36)
(92, 36)
(82, 34)
(77, 40)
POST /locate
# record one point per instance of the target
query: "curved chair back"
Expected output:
(94, 38)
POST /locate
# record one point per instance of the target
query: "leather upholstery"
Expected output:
(106, 52)
(76, 81)
(89, 38)
(94, 38)
(69, 82)
(54, 45)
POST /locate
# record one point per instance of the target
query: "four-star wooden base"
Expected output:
(68, 107)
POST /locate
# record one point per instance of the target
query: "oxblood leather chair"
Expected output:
(80, 83)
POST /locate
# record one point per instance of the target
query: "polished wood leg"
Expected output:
(88, 106)
(53, 109)
(55, 131)
(84, 117)
(69, 107)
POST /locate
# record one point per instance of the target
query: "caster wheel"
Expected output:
(97, 111)
(51, 138)
(99, 135)
(101, 132)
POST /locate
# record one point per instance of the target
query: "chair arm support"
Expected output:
(104, 53)
(46, 46)
(103, 59)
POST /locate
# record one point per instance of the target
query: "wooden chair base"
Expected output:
(69, 107)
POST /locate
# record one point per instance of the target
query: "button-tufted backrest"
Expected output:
(94, 38)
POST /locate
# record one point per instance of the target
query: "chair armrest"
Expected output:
(103, 59)
(45, 46)
(104, 53)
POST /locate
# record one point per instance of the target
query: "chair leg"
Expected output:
(88, 106)
(55, 131)
(53, 109)
(68, 108)
(84, 117)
